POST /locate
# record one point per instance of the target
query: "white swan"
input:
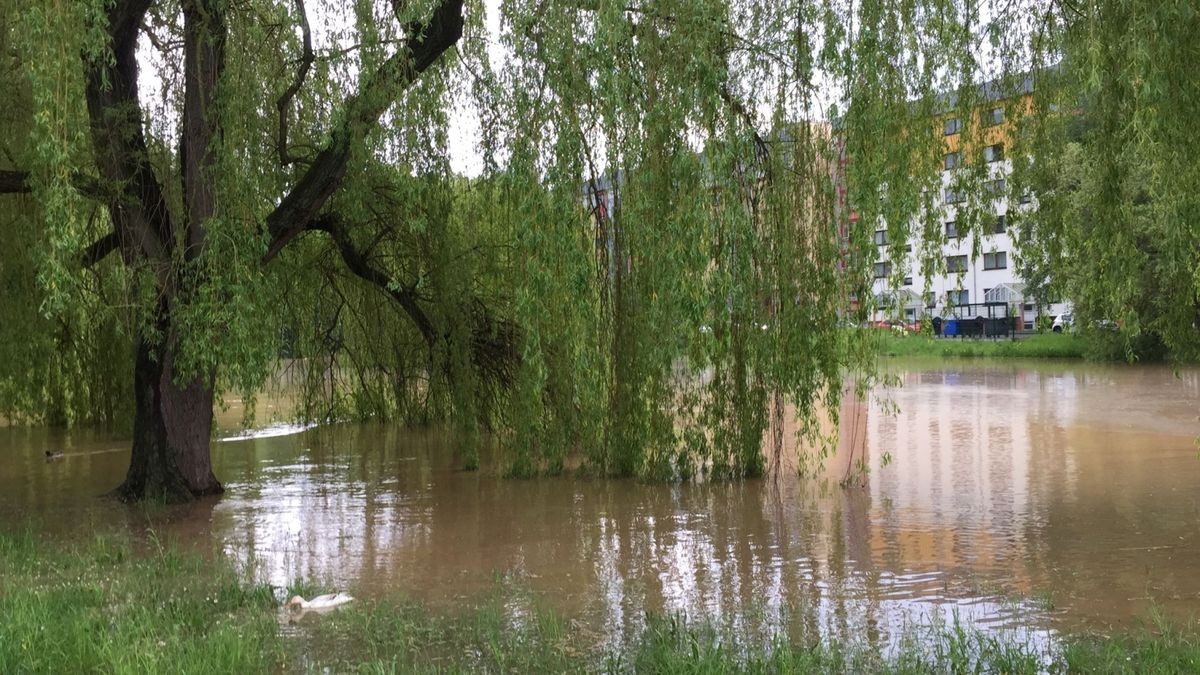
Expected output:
(320, 602)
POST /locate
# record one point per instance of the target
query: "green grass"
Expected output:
(104, 607)
(101, 607)
(1047, 346)
(1157, 646)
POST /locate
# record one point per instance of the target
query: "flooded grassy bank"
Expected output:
(1023, 502)
(104, 606)
(1047, 346)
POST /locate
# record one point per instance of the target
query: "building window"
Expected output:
(952, 197)
(993, 153)
(960, 297)
(908, 281)
(985, 293)
(930, 300)
(1026, 197)
(910, 314)
(951, 229)
(952, 160)
(994, 117)
(953, 126)
(883, 270)
(995, 261)
(998, 227)
(996, 187)
(956, 264)
(881, 237)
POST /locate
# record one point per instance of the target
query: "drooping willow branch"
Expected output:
(356, 261)
(492, 341)
(761, 152)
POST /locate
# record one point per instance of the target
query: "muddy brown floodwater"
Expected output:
(1019, 496)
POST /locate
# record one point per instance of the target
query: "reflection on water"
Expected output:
(1007, 481)
(268, 431)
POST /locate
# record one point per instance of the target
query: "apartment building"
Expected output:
(964, 285)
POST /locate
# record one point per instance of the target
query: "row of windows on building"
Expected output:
(990, 118)
(992, 188)
(955, 264)
(997, 226)
(953, 298)
(991, 154)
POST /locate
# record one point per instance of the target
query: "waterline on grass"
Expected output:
(1051, 346)
(101, 606)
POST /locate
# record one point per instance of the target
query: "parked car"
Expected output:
(1063, 322)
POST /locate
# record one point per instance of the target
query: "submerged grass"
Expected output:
(1049, 346)
(104, 607)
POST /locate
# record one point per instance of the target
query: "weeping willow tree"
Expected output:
(194, 182)
(1110, 154)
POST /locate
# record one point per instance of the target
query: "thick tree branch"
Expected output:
(284, 104)
(14, 182)
(99, 249)
(17, 182)
(357, 263)
(203, 62)
(425, 43)
(760, 145)
(116, 116)
(493, 342)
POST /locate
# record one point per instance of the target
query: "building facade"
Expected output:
(964, 285)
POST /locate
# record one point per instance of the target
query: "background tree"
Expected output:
(1110, 156)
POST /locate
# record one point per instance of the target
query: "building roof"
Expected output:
(993, 90)
(987, 92)
(1013, 291)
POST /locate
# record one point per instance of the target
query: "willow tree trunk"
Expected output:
(173, 422)
(173, 417)
(172, 430)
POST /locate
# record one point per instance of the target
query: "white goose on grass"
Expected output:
(328, 601)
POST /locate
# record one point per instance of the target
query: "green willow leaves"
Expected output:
(646, 255)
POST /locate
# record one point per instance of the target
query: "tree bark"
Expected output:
(170, 457)
(170, 460)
